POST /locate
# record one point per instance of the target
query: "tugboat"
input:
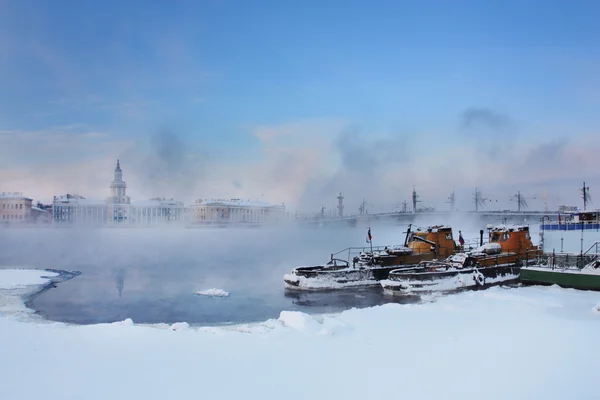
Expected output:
(498, 261)
(367, 266)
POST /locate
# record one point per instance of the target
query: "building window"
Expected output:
(20, 206)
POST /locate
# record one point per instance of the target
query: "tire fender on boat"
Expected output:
(478, 278)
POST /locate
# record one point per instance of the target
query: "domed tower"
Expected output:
(118, 188)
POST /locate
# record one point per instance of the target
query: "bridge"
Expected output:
(487, 217)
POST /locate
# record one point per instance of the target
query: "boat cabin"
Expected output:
(514, 239)
(437, 239)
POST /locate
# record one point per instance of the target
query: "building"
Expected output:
(117, 209)
(157, 210)
(14, 208)
(235, 212)
(41, 214)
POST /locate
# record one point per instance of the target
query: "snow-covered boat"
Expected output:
(363, 266)
(498, 261)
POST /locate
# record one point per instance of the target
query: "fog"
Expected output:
(151, 274)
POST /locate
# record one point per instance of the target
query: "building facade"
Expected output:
(235, 212)
(117, 209)
(14, 208)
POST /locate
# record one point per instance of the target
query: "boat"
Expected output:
(497, 261)
(364, 266)
(568, 270)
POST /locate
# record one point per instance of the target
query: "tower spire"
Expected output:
(118, 187)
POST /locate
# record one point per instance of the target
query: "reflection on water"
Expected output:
(152, 275)
(120, 280)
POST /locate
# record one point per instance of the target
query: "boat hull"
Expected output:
(452, 280)
(567, 278)
(320, 278)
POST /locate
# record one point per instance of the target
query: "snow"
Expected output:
(488, 248)
(567, 270)
(499, 343)
(213, 292)
(305, 283)
(21, 278)
(459, 281)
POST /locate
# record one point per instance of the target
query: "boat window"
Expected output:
(494, 238)
(448, 236)
(504, 236)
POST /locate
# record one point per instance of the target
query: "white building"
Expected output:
(116, 209)
(14, 208)
(235, 212)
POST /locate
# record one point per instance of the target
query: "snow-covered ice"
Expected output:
(18, 278)
(500, 343)
(213, 292)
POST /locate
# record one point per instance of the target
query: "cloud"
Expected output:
(304, 164)
(41, 148)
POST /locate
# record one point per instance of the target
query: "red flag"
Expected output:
(369, 237)
(460, 239)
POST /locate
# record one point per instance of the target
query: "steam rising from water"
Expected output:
(152, 274)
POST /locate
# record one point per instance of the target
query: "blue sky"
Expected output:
(214, 73)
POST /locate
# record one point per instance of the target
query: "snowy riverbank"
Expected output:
(535, 342)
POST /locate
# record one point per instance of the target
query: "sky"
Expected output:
(295, 102)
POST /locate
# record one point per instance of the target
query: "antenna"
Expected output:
(585, 194)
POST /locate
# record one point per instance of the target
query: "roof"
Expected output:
(507, 228)
(236, 202)
(434, 228)
(13, 196)
(76, 199)
(156, 202)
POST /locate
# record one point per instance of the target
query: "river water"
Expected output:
(152, 275)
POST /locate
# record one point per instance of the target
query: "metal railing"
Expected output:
(571, 260)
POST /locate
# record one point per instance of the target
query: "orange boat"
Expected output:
(363, 266)
(506, 246)
(434, 242)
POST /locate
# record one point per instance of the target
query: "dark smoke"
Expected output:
(165, 165)
(491, 132)
(486, 118)
(363, 163)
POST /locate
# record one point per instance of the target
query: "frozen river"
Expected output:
(152, 275)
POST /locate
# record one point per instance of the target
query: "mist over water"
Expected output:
(151, 275)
